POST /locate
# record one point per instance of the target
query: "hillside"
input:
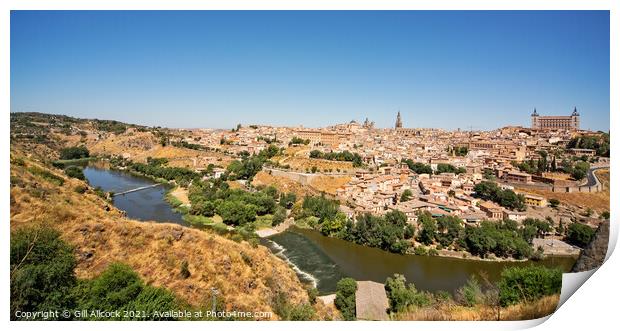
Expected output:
(598, 201)
(247, 278)
(138, 146)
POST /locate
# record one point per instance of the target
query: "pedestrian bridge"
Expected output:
(138, 189)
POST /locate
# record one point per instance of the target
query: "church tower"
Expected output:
(399, 122)
(535, 124)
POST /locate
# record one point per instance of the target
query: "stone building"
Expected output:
(555, 122)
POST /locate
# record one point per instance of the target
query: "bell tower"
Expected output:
(399, 122)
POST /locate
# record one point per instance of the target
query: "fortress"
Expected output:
(556, 122)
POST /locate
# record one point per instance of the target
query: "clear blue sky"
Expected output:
(215, 69)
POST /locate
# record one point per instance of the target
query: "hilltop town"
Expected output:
(513, 193)
(552, 171)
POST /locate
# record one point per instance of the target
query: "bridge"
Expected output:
(138, 189)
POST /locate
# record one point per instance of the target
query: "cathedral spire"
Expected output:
(399, 122)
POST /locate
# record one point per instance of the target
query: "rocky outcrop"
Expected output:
(594, 254)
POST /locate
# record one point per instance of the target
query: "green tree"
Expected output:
(279, 216)
(400, 296)
(287, 200)
(71, 153)
(75, 172)
(428, 228)
(236, 212)
(406, 196)
(579, 234)
(116, 287)
(345, 298)
(449, 228)
(471, 293)
(42, 271)
(528, 283)
(334, 226)
(554, 203)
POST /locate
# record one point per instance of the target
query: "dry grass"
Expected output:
(557, 175)
(282, 184)
(302, 163)
(598, 201)
(141, 145)
(247, 277)
(180, 194)
(451, 312)
(329, 184)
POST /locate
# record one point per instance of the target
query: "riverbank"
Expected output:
(264, 233)
(463, 255)
(329, 259)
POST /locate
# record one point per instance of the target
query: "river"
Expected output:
(145, 205)
(317, 259)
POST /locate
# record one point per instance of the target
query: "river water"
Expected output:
(317, 259)
(146, 205)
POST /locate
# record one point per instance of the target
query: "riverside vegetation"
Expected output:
(187, 263)
(531, 286)
(101, 245)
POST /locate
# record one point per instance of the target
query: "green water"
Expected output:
(323, 261)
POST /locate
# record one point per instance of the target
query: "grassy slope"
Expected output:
(598, 201)
(247, 277)
(450, 312)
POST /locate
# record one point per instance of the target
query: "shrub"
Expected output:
(471, 293)
(291, 312)
(72, 153)
(74, 172)
(116, 287)
(345, 298)
(580, 234)
(42, 273)
(528, 283)
(152, 299)
(48, 176)
(185, 270)
(400, 296)
(554, 203)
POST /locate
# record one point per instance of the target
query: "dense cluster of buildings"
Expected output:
(380, 186)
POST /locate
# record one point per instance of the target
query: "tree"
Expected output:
(488, 190)
(528, 283)
(74, 172)
(419, 168)
(554, 203)
(471, 293)
(406, 196)
(449, 228)
(279, 216)
(116, 287)
(428, 228)
(320, 207)
(287, 200)
(42, 271)
(236, 212)
(334, 226)
(72, 153)
(345, 298)
(579, 234)
(400, 296)
(448, 168)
